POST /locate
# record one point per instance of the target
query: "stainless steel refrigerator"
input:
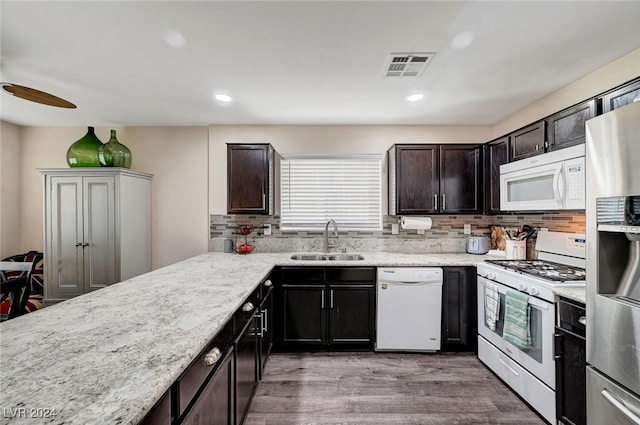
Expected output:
(613, 267)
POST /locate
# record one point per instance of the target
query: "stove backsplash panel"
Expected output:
(445, 236)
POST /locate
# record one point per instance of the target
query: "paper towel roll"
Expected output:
(412, 223)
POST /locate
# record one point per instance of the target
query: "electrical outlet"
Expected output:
(467, 229)
(267, 229)
(394, 229)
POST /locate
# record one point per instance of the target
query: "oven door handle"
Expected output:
(532, 301)
(621, 406)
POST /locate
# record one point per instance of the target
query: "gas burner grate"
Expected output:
(544, 269)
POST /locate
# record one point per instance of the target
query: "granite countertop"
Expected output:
(575, 294)
(106, 357)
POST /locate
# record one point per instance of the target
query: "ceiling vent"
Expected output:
(407, 65)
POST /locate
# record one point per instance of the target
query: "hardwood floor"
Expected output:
(380, 388)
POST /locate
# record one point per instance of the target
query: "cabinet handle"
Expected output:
(435, 201)
(322, 300)
(78, 243)
(621, 406)
(264, 200)
(265, 324)
(212, 357)
(537, 147)
(582, 320)
(331, 299)
(444, 202)
(82, 244)
(247, 307)
(268, 283)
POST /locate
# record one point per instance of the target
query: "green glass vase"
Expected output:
(114, 153)
(84, 151)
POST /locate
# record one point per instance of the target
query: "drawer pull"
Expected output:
(248, 307)
(212, 357)
(268, 283)
(582, 320)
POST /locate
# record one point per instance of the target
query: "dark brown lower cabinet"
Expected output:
(246, 377)
(266, 329)
(459, 305)
(571, 363)
(351, 314)
(325, 308)
(160, 414)
(214, 406)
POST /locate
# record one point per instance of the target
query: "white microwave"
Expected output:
(551, 181)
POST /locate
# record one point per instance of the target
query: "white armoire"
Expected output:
(97, 229)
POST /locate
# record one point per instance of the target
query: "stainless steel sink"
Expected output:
(327, 257)
(309, 257)
(345, 257)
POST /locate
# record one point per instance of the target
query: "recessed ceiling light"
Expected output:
(415, 97)
(223, 97)
(174, 38)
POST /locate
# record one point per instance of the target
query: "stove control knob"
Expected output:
(534, 291)
(491, 275)
(522, 286)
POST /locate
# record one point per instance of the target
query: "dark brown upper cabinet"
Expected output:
(432, 179)
(460, 179)
(413, 179)
(250, 179)
(528, 141)
(620, 97)
(567, 128)
(496, 153)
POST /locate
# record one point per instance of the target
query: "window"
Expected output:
(316, 189)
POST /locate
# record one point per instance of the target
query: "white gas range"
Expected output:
(528, 365)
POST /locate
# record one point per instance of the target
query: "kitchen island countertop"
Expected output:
(107, 356)
(573, 293)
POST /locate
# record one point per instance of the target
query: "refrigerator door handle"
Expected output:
(619, 404)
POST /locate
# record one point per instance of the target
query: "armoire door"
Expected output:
(99, 228)
(64, 258)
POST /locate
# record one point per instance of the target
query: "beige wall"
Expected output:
(614, 74)
(9, 190)
(324, 140)
(175, 155)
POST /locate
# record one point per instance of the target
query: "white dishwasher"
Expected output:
(409, 309)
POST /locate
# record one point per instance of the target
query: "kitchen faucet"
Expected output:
(326, 234)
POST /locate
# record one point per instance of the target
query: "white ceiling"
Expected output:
(301, 62)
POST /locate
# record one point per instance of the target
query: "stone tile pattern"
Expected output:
(445, 236)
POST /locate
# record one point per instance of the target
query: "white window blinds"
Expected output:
(315, 189)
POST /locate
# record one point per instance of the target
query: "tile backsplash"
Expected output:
(445, 236)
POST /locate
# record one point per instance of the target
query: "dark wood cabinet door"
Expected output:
(303, 315)
(247, 179)
(496, 153)
(246, 366)
(567, 128)
(215, 404)
(351, 317)
(528, 141)
(571, 403)
(459, 328)
(460, 179)
(621, 96)
(416, 179)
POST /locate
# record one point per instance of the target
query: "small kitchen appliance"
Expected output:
(529, 368)
(478, 244)
(613, 267)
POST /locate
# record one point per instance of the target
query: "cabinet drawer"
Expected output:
(197, 373)
(572, 317)
(246, 310)
(302, 274)
(352, 274)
